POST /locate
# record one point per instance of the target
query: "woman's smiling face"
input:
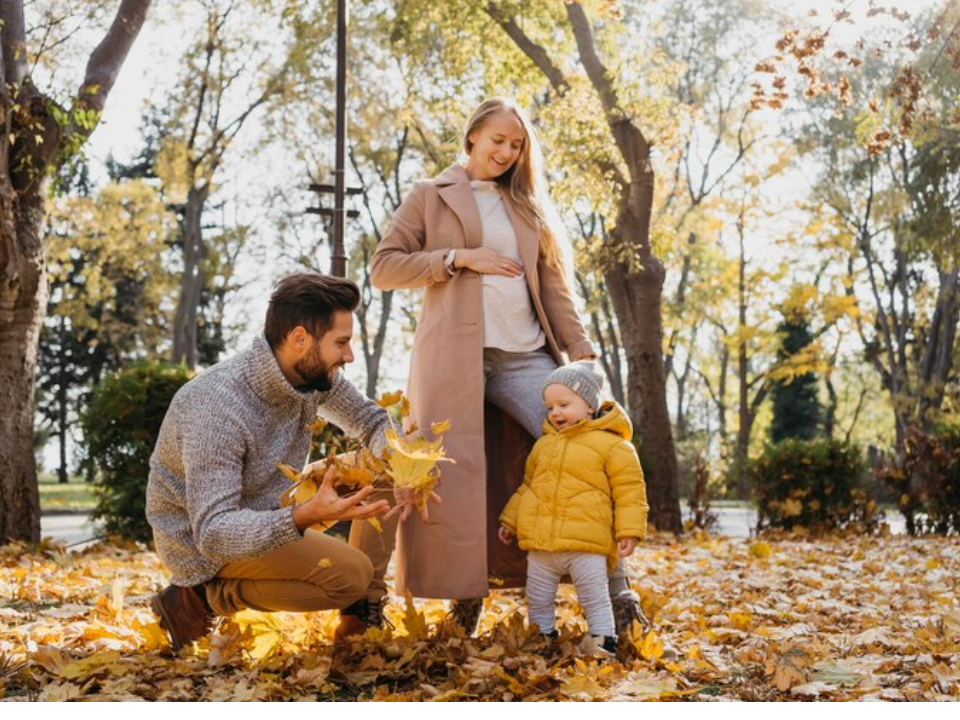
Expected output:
(496, 146)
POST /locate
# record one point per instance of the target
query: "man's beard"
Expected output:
(316, 374)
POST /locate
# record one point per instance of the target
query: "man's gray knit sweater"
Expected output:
(214, 489)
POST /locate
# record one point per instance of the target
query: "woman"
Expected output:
(498, 317)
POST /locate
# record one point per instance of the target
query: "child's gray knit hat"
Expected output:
(582, 377)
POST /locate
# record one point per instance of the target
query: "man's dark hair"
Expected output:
(310, 300)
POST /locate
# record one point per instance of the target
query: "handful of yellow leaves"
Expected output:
(409, 461)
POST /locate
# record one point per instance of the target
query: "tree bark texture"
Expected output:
(192, 281)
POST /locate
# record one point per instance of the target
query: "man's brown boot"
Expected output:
(184, 613)
(356, 618)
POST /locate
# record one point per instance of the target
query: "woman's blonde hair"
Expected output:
(526, 181)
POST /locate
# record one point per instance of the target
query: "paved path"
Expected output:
(68, 528)
(735, 522)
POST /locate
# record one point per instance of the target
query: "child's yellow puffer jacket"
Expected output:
(583, 488)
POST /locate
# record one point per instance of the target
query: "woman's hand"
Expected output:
(487, 262)
(626, 546)
(505, 534)
(405, 500)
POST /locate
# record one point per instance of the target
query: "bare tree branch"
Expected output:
(104, 66)
(537, 53)
(631, 142)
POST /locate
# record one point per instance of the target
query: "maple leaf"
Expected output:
(652, 646)
(790, 668)
(838, 673)
(813, 689)
(153, 636)
(639, 686)
(414, 621)
(388, 399)
(50, 658)
(265, 633)
(289, 472)
(229, 643)
(583, 680)
(109, 661)
(412, 463)
(359, 469)
(60, 692)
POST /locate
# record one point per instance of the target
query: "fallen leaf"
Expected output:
(813, 689)
(413, 621)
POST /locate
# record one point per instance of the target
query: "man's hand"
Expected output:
(405, 500)
(626, 546)
(505, 534)
(327, 506)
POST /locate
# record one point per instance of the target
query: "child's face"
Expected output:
(564, 406)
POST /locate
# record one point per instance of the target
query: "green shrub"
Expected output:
(926, 480)
(813, 484)
(120, 428)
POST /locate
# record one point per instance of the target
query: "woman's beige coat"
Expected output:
(448, 558)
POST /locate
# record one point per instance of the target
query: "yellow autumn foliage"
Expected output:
(409, 461)
(412, 462)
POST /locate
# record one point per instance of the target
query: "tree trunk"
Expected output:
(722, 394)
(938, 355)
(636, 300)
(744, 426)
(23, 301)
(681, 410)
(34, 141)
(743, 367)
(62, 405)
(742, 450)
(830, 414)
(373, 352)
(191, 283)
(614, 373)
(606, 340)
(681, 383)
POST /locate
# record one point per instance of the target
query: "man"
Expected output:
(214, 487)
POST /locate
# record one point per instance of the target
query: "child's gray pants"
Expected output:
(589, 574)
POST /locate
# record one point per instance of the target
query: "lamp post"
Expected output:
(334, 219)
(338, 258)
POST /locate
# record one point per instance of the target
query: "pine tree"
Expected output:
(797, 410)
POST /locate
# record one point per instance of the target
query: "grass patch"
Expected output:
(75, 496)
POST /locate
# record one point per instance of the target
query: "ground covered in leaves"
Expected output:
(841, 619)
